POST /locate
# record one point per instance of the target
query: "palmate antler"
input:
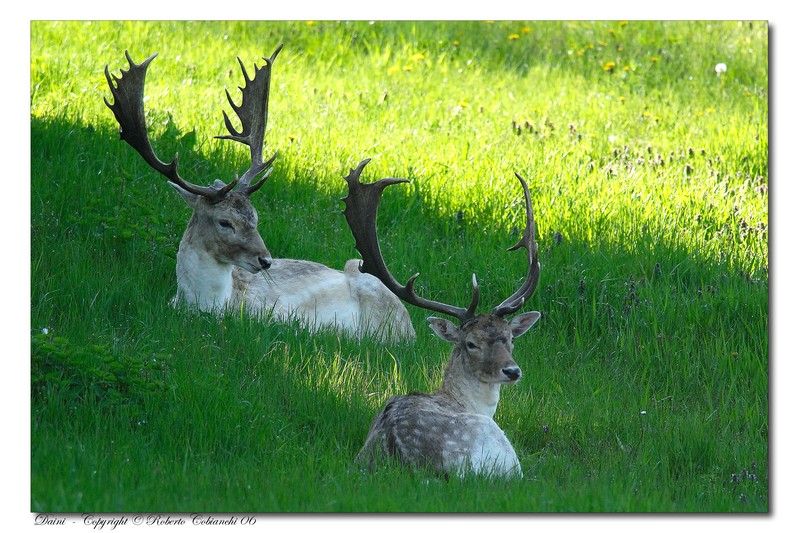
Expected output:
(361, 214)
(128, 108)
(252, 113)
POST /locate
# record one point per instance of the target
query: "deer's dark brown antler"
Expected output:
(361, 214)
(252, 113)
(517, 299)
(128, 108)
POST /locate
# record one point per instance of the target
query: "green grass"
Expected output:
(645, 385)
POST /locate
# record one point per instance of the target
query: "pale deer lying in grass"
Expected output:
(222, 261)
(452, 430)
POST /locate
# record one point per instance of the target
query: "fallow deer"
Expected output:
(452, 430)
(222, 261)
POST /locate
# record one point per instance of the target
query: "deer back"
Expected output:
(433, 431)
(349, 301)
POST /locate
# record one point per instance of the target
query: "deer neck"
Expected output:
(202, 280)
(464, 388)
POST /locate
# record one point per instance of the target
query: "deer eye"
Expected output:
(470, 345)
(226, 224)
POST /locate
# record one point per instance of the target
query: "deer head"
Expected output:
(486, 343)
(482, 344)
(224, 222)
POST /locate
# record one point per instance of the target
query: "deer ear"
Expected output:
(190, 197)
(520, 324)
(444, 329)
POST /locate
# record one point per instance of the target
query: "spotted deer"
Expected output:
(222, 261)
(451, 430)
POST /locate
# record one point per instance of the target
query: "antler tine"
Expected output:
(361, 214)
(253, 114)
(128, 108)
(517, 299)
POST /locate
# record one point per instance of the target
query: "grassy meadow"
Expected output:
(646, 385)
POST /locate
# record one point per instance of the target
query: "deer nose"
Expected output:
(265, 262)
(513, 372)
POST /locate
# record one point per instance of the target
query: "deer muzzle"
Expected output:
(513, 373)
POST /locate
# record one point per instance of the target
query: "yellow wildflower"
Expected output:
(513, 36)
(417, 57)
